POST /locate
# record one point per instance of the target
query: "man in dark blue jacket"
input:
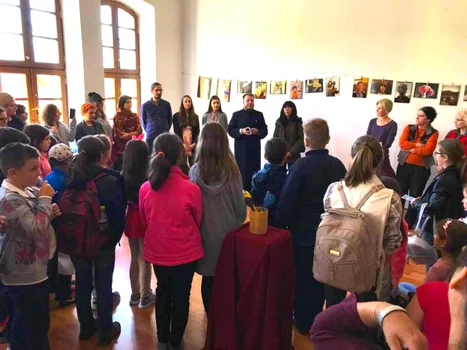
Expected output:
(300, 208)
(156, 115)
(248, 128)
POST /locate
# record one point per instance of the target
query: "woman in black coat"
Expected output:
(443, 197)
(289, 127)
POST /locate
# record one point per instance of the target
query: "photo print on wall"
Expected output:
(278, 87)
(244, 86)
(223, 89)
(296, 89)
(204, 87)
(381, 86)
(360, 87)
(450, 95)
(403, 92)
(465, 93)
(314, 85)
(332, 86)
(426, 90)
(261, 89)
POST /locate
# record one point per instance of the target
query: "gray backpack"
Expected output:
(347, 255)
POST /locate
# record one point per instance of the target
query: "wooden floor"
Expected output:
(139, 327)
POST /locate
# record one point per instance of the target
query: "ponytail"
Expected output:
(168, 150)
(90, 151)
(367, 153)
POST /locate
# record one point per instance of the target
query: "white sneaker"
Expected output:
(146, 302)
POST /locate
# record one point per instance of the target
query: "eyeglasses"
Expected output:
(440, 153)
(10, 105)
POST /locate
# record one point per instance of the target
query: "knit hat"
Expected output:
(60, 152)
(95, 97)
(5, 98)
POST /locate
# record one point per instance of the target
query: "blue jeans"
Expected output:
(31, 319)
(103, 267)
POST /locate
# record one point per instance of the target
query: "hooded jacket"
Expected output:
(112, 195)
(223, 210)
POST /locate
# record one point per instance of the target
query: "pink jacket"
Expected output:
(171, 219)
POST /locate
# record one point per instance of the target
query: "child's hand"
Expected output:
(55, 211)
(3, 224)
(46, 190)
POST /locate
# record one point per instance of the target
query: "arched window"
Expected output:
(32, 66)
(120, 45)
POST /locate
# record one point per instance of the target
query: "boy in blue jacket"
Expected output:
(267, 183)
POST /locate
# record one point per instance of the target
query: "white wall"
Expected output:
(273, 39)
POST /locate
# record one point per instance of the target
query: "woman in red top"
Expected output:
(171, 209)
(460, 131)
(126, 125)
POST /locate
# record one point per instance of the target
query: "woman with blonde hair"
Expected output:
(51, 119)
(460, 131)
(217, 175)
(384, 129)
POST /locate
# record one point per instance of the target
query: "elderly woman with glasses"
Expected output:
(460, 131)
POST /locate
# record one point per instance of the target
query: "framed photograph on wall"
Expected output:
(465, 93)
(278, 87)
(332, 86)
(450, 95)
(314, 85)
(426, 90)
(381, 87)
(261, 89)
(360, 88)
(403, 92)
(223, 89)
(244, 86)
(296, 89)
(204, 87)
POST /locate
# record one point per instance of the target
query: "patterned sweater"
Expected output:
(28, 240)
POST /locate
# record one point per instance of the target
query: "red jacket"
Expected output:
(171, 219)
(455, 134)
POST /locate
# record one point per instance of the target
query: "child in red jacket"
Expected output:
(171, 208)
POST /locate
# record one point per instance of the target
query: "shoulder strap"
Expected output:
(371, 192)
(340, 188)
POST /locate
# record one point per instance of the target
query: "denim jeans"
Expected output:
(103, 267)
(31, 319)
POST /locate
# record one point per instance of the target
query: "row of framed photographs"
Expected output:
(331, 87)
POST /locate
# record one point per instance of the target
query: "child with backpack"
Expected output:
(135, 165)
(26, 245)
(93, 206)
(267, 183)
(171, 209)
(345, 239)
(40, 139)
(60, 266)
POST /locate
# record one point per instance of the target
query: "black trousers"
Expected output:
(206, 291)
(412, 180)
(30, 325)
(309, 293)
(335, 295)
(173, 301)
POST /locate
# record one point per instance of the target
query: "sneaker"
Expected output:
(68, 301)
(116, 300)
(180, 347)
(114, 334)
(162, 346)
(147, 301)
(134, 300)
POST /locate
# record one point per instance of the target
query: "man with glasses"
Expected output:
(156, 115)
(8, 102)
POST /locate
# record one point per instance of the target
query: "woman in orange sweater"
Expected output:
(417, 142)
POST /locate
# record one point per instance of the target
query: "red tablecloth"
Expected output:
(252, 300)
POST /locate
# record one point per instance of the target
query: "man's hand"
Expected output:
(402, 333)
(254, 131)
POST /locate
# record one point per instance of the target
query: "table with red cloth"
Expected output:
(252, 300)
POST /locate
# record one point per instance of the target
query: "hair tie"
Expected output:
(83, 152)
(445, 226)
(160, 153)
